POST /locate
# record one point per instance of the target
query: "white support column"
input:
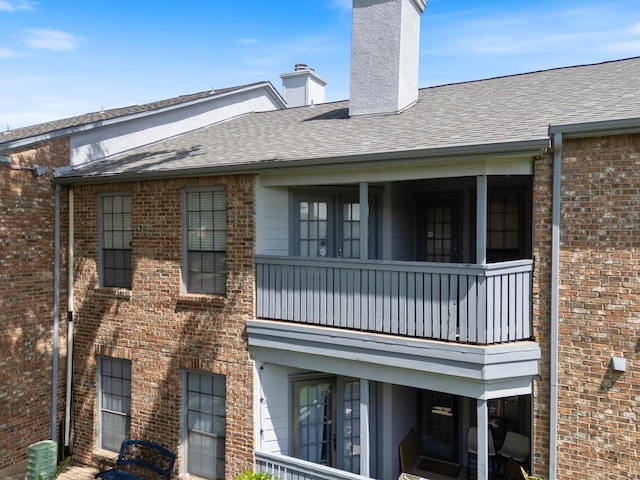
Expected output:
(364, 221)
(364, 428)
(483, 439)
(481, 220)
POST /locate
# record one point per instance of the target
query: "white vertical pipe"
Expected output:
(56, 312)
(555, 282)
(70, 300)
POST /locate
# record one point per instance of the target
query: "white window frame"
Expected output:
(335, 198)
(127, 238)
(338, 441)
(219, 247)
(215, 437)
(123, 390)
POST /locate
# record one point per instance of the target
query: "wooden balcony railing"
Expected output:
(453, 302)
(282, 467)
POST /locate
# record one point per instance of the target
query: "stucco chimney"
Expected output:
(384, 55)
(302, 87)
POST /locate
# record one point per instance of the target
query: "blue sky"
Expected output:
(60, 58)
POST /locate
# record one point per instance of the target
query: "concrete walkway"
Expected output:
(74, 472)
(77, 472)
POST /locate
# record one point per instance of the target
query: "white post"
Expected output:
(483, 440)
(364, 427)
(481, 220)
(364, 221)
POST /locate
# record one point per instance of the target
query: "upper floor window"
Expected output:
(505, 229)
(114, 402)
(205, 258)
(115, 236)
(328, 225)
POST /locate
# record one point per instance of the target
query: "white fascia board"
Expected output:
(395, 374)
(468, 160)
(69, 131)
(470, 369)
(590, 129)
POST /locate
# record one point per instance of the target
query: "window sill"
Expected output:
(104, 459)
(119, 293)
(200, 300)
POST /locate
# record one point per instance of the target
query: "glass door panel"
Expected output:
(313, 419)
(350, 231)
(313, 227)
(438, 427)
(439, 229)
(503, 226)
(349, 440)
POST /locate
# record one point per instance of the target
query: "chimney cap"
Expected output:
(302, 66)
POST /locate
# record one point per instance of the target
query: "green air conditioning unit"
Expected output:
(42, 460)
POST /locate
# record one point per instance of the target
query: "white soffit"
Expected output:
(469, 370)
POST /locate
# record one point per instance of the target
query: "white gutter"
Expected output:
(56, 312)
(68, 401)
(421, 156)
(555, 285)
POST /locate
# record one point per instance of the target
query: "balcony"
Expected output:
(462, 303)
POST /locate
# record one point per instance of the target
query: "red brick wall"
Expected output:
(599, 307)
(542, 192)
(161, 330)
(26, 301)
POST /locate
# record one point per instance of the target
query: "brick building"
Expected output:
(28, 304)
(34, 314)
(597, 310)
(161, 333)
(315, 290)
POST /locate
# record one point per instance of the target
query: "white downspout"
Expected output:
(56, 312)
(555, 280)
(70, 277)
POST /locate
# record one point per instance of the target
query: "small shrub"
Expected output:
(249, 475)
(62, 466)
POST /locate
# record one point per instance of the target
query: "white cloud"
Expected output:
(43, 38)
(531, 32)
(15, 5)
(631, 48)
(342, 4)
(9, 53)
(248, 41)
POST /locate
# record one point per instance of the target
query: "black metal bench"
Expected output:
(140, 460)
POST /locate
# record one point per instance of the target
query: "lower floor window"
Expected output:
(205, 419)
(114, 402)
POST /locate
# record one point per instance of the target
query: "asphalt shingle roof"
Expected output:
(514, 108)
(94, 117)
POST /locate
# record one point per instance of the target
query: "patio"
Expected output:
(78, 472)
(74, 472)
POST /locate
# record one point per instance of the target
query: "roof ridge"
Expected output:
(533, 72)
(114, 113)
